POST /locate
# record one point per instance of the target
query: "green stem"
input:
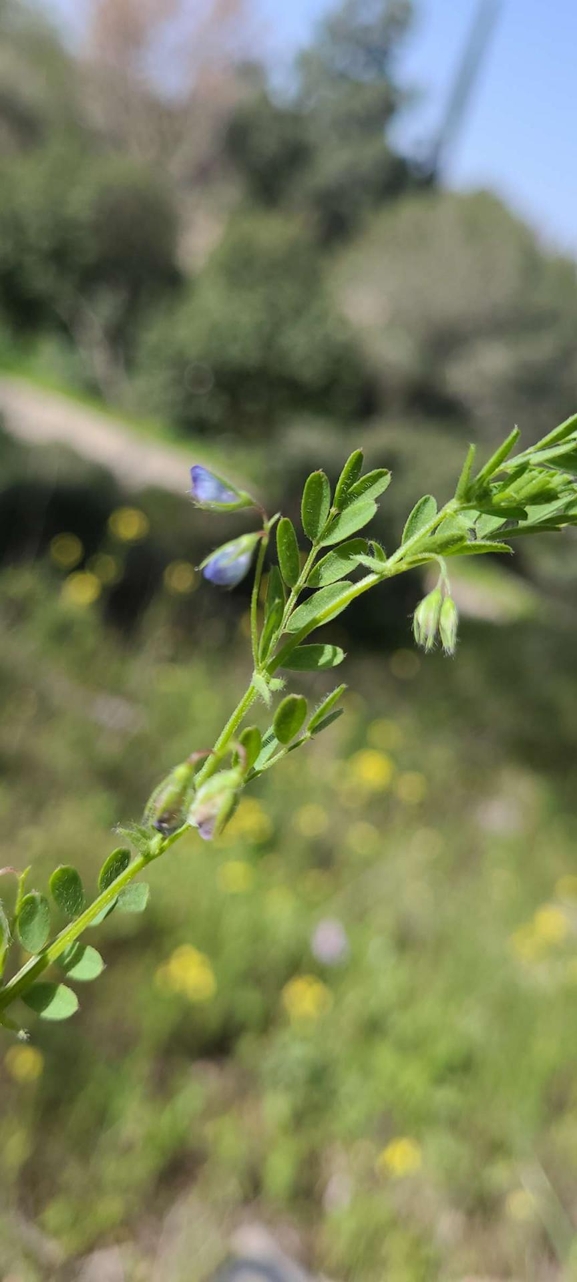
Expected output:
(212, 763)
(400, 555)
(255, 597)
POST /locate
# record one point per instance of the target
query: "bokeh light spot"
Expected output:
(81, 589)
(128, 524)
(66, 550)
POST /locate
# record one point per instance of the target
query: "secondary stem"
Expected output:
(39, 963)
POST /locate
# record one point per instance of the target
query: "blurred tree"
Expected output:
(254, 338)
(87, 243)
(462, 316)
(348, 90)
(162, 78)
(325, 150)
(37, 79)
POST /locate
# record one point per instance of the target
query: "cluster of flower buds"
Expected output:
(436, 615)
(228, 564)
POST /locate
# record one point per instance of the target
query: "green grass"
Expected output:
(189, 1092)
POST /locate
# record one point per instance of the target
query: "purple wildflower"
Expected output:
(229, 563)
(329, 943)
(210, 491)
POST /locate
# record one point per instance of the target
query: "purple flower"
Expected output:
(329, 943)
(229, 564)
(209, 491)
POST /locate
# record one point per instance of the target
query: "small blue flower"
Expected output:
(229, 564)
(209, 491)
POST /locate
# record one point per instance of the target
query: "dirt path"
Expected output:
(42, 417)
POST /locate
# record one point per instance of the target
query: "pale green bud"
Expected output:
(214, 803)
(448, 625)
(165, 808)
(426, 619)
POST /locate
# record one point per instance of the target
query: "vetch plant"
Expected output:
(511, 496)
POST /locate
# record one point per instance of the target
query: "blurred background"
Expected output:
(258, 236)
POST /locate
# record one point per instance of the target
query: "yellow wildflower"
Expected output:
(188, 972)
(128, 524)
(250, 821)
(180, 578)
(235, 877)
(402, 1156)
(81, 588)
(520, 1205)
(371, 770)
(66, 551)
(526, 944)
(24, 1063)
(362, 838)
(384, 734)
(550, 925)
(566, 887)
(411, 787)
(311, 820)
(306, 998)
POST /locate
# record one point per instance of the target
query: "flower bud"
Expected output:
(214, 803)
(448, 625)
(166, 808)
(426, 619)
(209, 491)
(229, 563)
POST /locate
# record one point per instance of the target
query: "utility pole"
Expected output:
(461, 92)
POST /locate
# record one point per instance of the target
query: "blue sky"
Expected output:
(519, 134)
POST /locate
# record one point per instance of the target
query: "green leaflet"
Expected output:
(422, 514)
(82, 963)
(316, 503)
(372, 563)
(289, 717)
(133, 898)
(371, 485)
(349, 475)
(319, 717)
(348, 522)
(288, 551)
(477, 549)
(112, 867)
(559, 433)
(450, 533)
(464, 482)
(51, 1001)
(494, 463)
(335, 565)
(67, 890)
(33, 922)
(314, 658)
(322, 606)
(251, 740)
(274, 610)
(327, 721)
(5, 936)
(270, 745)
